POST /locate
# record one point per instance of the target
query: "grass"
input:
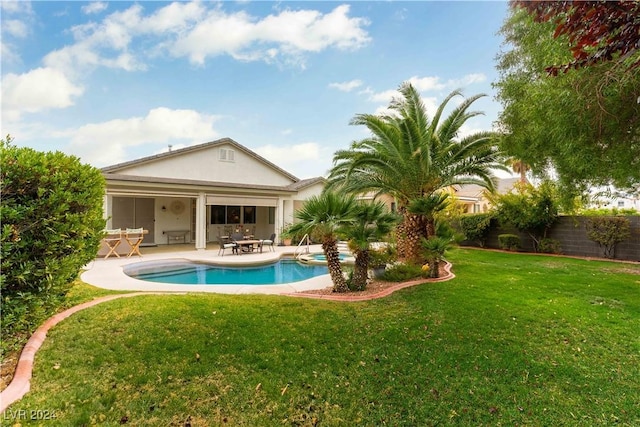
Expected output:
(513, 340)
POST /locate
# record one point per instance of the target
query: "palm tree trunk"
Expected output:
(332, 254)
(414, 229)
(360, 270)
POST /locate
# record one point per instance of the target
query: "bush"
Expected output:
(509, 242)
(530, 210)
(403, 272)
(608, 232)
(549, 246)
(51, 211)
(475, 227)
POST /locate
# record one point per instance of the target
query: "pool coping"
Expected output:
(109, 274)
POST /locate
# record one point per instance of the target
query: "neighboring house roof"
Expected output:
(304, 183)
(473, 192)
(194, 148)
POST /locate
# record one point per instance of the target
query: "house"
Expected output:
(473, 197)
(194, 194)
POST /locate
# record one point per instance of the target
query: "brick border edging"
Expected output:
(21, 382)
(386, 292)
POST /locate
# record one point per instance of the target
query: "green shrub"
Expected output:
(608, 232)
(51, 212)
(549, 246)
(531, 210)
(403, 272)
(475, 227)
(509, 242)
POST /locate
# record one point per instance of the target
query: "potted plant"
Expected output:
(285, 235)
(379, 258)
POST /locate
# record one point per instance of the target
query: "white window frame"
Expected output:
(226, 155)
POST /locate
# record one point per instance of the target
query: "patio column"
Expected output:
(201, 222)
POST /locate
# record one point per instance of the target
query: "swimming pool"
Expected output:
(321, 259)
(185, 272)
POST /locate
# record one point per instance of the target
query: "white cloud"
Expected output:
(425, 84)
(15, 28)
(37, 90)
(283, 37)
(95, 7)
(467, 80)
(289, 154)
(107, 142)
(346, 86)
(9, 7)
(304, 160)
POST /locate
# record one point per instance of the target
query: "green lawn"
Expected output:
(513, 340)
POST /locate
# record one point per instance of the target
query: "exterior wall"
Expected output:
(571, 233)
(206, 165)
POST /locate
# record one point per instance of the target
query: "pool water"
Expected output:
(193, 273)
(322, 257)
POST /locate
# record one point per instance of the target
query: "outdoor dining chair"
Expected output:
(269, 242)
(134, 237)
(226, 244)
(112, 240)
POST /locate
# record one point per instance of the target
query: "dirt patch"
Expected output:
(374, 287)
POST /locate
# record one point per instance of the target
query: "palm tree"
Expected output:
(518, 166)
(322, 216)
(372, 221)
(408, 156)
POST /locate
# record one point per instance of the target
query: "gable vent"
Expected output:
(226, 155)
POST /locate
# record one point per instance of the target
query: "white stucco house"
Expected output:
(190, 195)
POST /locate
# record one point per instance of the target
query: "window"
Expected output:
(226, 155)
(272, 215)
(233, 214)
(218, 214)
(621, 203)
(249, 215)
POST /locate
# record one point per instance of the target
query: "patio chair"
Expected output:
(235, 236)
(269, 242)
(134, 237)
(112, 240)
(226, 244)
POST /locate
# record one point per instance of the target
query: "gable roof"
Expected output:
(304, 183)
(195, 148)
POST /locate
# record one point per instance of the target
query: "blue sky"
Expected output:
(114, 81)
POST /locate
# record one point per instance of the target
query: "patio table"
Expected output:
(249, 245)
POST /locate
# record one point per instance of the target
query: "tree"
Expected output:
(519, 167)
(322, 216)
(597, 30)
(530, 210)
(372, 221)
(584, 123)
(410, 156)
(607, 232)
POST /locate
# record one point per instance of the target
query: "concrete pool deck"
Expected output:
(108, 273)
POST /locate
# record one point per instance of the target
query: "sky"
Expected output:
(115, 81)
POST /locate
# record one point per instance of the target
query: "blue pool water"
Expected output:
(322, 257)
(191, 273)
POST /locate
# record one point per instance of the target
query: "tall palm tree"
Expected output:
(520, 167)
(372, 221)
(322, 216)
(409, 156)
